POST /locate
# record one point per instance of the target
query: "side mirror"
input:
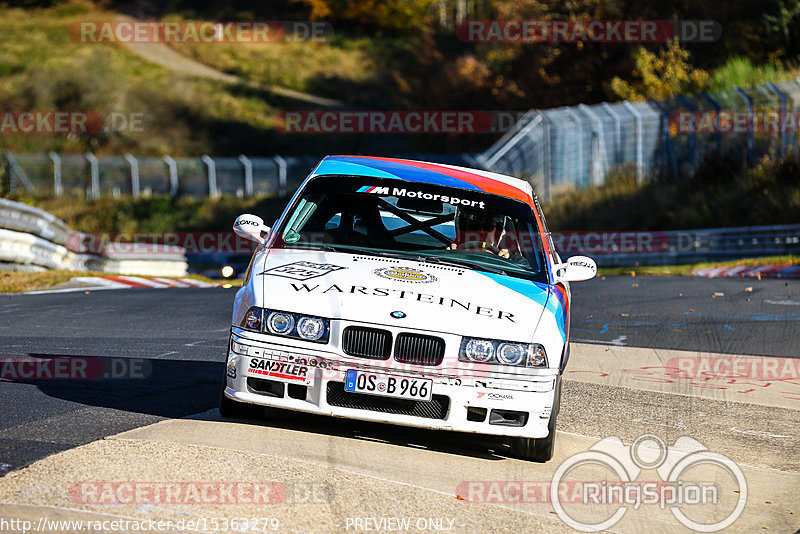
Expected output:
(251, 227)
(576, 269)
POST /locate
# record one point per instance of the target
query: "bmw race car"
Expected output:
(410, 293)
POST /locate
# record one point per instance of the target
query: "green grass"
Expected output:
(42, 68)
(298, 65)
(741, 72)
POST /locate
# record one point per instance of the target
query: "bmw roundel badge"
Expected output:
(398, 314)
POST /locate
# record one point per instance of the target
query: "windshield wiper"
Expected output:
(463, 263)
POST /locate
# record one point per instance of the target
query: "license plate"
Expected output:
(388, 386)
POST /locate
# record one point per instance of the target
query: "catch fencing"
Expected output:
(555, 149)
(576, 147)
(95, 176)
(92, 177)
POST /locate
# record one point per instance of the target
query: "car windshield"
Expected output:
(425, 222)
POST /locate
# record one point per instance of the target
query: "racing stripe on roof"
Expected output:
(431, 173)
(472, 179)
(388, 168)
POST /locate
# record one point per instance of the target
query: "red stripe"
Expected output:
(489, 185)
(126, 282)
(278, 375)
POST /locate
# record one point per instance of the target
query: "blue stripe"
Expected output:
(388, 169)
(541, 294)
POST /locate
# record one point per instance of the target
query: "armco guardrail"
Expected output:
(680, 247)
(31, 220)
(33, 238)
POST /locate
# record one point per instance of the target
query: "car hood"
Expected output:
(404, 293)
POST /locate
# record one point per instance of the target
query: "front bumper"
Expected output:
(493, 404)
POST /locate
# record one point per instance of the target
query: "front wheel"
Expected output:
(232, 409)
(539, 449)
(536, 449)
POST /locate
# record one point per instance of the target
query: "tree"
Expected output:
(662, 76)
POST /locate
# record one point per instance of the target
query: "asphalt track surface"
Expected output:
(179, 337)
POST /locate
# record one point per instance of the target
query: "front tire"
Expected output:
(231, 409)
(539, 449)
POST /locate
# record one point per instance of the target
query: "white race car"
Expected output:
(410, 293)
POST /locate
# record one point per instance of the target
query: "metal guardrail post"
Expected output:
(598, 168)
(669, 154)
(583, 162)
(281, 163)
(490, 162)
(717, 109)
(472, 161)
(692, 138)
(639, 141)
(212, 175)
(94, 170)
(134, 165)
(12, 169)
(173, 175)
(750, 134)
(617, 132)
(5, 184)
(546, 158)
(248, 174)
(58, 189)
(782, 97)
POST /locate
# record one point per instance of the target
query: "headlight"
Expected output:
(498, 352)
(310, 328)
(511, 353)
(252, 319)
(479, 350)
(536, 356)
(280, 323)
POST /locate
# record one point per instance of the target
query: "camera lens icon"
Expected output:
(648, 451)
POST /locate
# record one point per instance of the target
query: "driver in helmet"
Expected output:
(476, 230)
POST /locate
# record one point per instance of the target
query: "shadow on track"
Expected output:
(163, 388)
(181, 388)
(455, 443)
